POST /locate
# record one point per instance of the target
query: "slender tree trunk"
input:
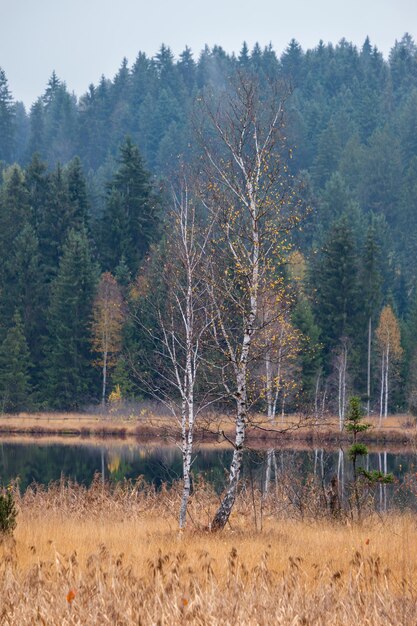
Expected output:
(342, 387)
(316, 397)
(368, 385)
(324, 398)
(102, 466)
(188, 416)
(241, 369)
(268, 472)
(340, 400)
(269, 384)
(223, 512)
(186, 468)
(381, 399)
(103, 395)
(341, 473)
(380, 486)
(386, 382)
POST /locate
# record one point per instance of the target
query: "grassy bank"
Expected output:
(113, 555)
(400, 429)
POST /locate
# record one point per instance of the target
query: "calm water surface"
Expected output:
(42, 463)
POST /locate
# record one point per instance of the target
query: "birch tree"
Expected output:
(389, 341)
(246, 189)
(181, 324)
(108, 319)
(340, 364)
(279, 344)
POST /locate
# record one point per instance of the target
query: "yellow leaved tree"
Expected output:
(388, 335)
(108, 319)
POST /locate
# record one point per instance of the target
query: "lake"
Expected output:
(41, 462)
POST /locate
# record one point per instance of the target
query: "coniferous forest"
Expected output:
(86, 191)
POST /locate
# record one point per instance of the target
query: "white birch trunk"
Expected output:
(270, 457)
(103, 395)
(386, 381)
(380, 486)
(223, 512)
(316, 397)
(381, 398)
(342, 386)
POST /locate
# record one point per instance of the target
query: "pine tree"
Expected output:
(14, 369)
(69, 377)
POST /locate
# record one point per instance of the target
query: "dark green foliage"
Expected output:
(358, 449)
(336, 279)
(310, 358)
(8, 512)
(376, 476)
(14, 207)
(7, 121)
(351, 121)
(69, 376)
(129, 223)
(15, 365)
(355, 425)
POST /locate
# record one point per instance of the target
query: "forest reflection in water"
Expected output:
(42, 463)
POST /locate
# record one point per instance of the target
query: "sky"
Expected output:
(83, 39)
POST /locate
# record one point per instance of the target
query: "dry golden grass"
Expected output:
(397, 429)
(113, 555)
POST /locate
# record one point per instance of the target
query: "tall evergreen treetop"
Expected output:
(129, 222)
(7, 115)
(68, 380)
(336, 280)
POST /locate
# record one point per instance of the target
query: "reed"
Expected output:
(112, 554)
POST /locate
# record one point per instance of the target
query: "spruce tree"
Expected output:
(14, 369)
(371, 283)
(7, 115)
(335, 277)
(129, 223)
(69, 377)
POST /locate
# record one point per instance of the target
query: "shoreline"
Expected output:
(396, 430)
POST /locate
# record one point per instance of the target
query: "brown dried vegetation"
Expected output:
(112, 555)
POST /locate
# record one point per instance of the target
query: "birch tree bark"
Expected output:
(183, 322)
(245, 186)
(108, 318)
(389, 341)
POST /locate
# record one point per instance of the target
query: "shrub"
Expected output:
(8, 512)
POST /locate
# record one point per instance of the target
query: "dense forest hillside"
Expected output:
(84, 198)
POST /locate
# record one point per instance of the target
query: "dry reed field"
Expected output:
(112, 554)
(145, 424)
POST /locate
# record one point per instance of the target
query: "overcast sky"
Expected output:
(82, 39)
